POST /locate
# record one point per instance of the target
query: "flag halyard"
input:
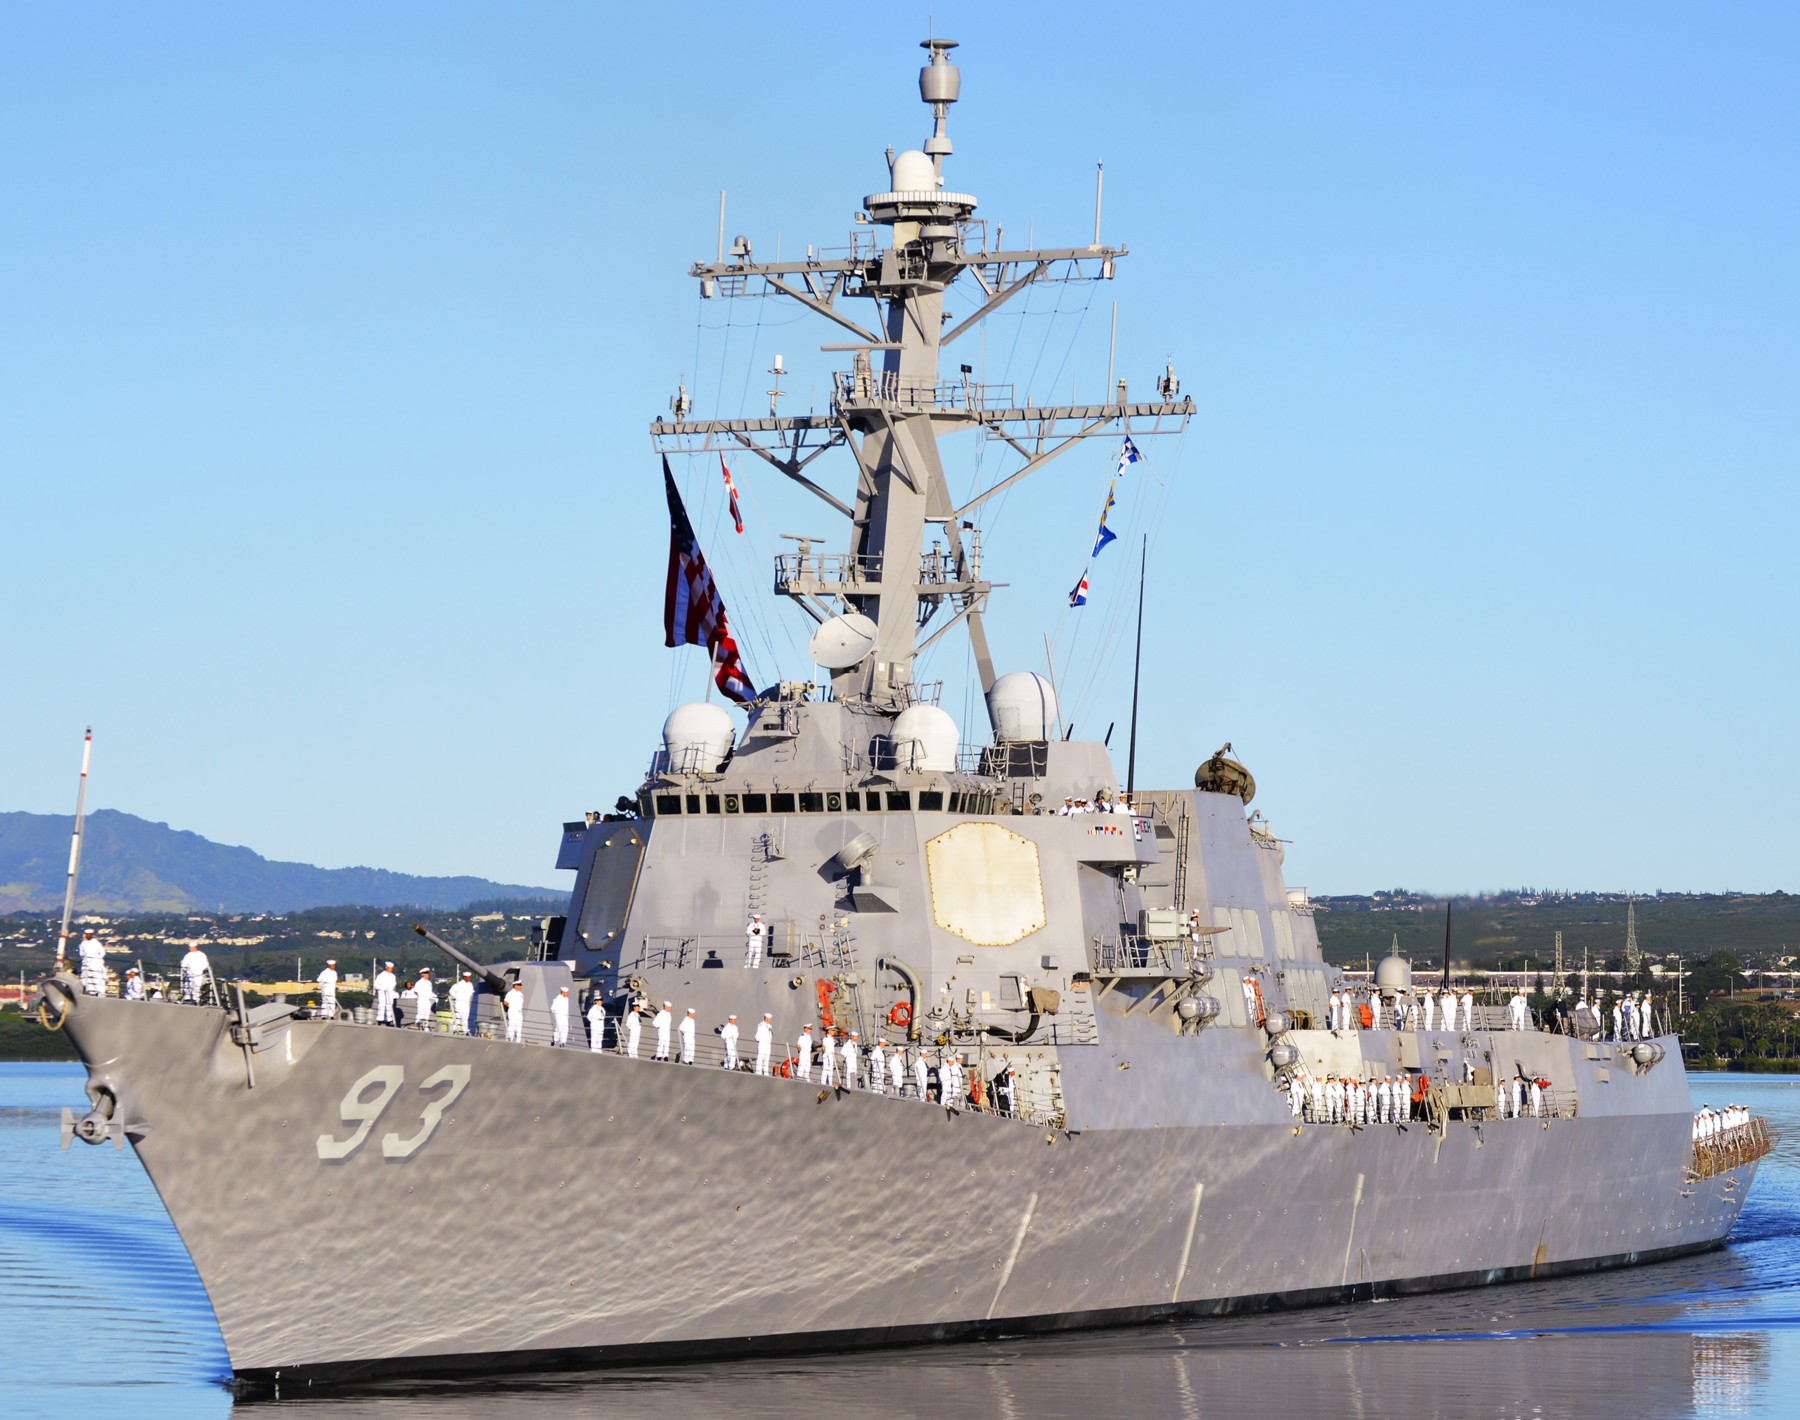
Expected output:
(693, 609)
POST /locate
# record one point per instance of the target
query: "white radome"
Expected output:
(914, 172)
(698, 738)
(1022, 706)
(924, 737)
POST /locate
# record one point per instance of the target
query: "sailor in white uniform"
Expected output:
(1537, 1100)
(327, 981)
(596, 1018)
(765, 1039)
(384, 985)
(728, 1037)
(1296, 1093)
(661, 1022)
(424, 1000)
(515, 1012)
(878, 1067)
(803, 1051)
(134, 984)
(194, 968)
(93, 965)
(897, 1071)
(827, 1059)
(1335, 1009)
(686, 1031)
(559, 1017)
(1430, 1009)
(634, 1025)
(1467, 1002)
(462, 1002)
(920, 1072)
(755, 933)
(852, 1053)
(954, 1083)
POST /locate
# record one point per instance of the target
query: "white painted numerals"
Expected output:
(454, 1076)
(385, 1081)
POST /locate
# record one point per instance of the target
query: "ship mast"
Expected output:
(891, 407)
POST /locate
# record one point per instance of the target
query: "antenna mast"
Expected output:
(62, 938)
(1137, 664)
(890, 410)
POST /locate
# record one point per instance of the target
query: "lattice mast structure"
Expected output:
(891, 407)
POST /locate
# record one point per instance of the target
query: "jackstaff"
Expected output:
(62, 938)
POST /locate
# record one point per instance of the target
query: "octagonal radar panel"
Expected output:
(843, 641)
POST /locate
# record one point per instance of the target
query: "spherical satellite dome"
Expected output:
(1022, 706)
(1392, 976)
(697, 738)
(924, 737)
(914, 172)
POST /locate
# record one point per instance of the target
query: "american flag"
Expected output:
(693, 610)
(731, 493)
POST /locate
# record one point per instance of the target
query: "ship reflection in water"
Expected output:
(90, 1265)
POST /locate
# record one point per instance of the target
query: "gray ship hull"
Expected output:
(585, 1209)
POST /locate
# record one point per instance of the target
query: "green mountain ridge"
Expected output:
(130, 864)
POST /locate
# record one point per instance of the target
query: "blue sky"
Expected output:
(330, 336)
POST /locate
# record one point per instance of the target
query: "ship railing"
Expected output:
(785, 947)
(864, 387)
(1732, 1148)
(1129, 954)
(1037, 1099)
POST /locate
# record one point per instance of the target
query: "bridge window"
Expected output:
(693, 803)
(834, 803)
(756, 803)
(931, 801)
(712, 803)
(731, 803)
(812, 803)
(853, 800)
(783, 803)
(668, 804)
(899, 800)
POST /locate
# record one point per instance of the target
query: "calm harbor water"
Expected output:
(103, 1315)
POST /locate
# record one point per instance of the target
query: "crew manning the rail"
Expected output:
(462, 1004)
(327, 982)
(195, 969)
(93, 965)
(384, 984)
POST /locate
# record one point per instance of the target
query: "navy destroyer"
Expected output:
(855, 1035)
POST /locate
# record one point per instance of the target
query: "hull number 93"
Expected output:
(367, 1100)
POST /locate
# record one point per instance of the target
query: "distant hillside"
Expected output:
(132, 865)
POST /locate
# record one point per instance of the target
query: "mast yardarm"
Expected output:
(891, 407)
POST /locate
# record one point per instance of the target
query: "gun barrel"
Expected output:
(489, 977)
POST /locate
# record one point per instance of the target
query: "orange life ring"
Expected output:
(901, 1015)
(787, 1067)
